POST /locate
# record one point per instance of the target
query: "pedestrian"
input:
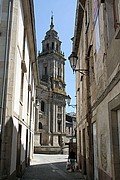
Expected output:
(72, 159)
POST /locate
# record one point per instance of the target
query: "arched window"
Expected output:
(56, 47)
(40, 125)
(52, 45)
(47, 46)
(43, 106)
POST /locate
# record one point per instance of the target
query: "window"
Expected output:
(95, 3)
(0, 10)
(59, 116)
(40, 125)
(56, 47)
(52, 45)
(47, 46)
(97, 35)
(45, 70)
(59, 72)
(114, 120)
(59, 109)
(41, 138)
(69, 130)
(59, 126)
(22, 85)
(110, 18)
(42, 106)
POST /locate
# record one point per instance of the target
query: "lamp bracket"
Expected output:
(73, 106)
(82, 71)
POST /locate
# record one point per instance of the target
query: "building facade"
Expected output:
(18, 79)
(51, 95)
(70, 141)
(70, 127)
(96, 43)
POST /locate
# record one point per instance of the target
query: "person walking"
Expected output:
(72, 159)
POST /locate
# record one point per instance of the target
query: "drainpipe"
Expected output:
(4, 81)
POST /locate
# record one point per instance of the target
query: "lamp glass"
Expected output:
(68, 100)
(73, 60)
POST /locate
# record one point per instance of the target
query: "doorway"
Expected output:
(84, 153)
(95, 162)
(18, 165)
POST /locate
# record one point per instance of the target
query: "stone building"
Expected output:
(70, 141)
(18, 79)
(96, 44)
(70, 127)
(51, 95)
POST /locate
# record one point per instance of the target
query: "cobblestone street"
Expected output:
(45, 167)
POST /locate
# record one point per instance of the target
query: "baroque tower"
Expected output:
(51, 95)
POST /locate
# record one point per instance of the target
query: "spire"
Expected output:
(51, 25)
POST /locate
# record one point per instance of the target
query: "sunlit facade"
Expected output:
(96, 43)
(18, 79)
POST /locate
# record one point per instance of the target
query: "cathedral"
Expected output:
(51, 94)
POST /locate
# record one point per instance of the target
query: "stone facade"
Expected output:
(51, 95)
(18, 79)
(70, 127)
(96, 43)
(70, 141)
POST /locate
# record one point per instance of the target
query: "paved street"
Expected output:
(45, 167)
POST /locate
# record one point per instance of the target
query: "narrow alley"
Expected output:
(45, 167)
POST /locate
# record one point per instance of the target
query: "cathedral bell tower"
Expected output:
(50, 125)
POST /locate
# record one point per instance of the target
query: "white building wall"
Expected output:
(26, 76)
(19, 57)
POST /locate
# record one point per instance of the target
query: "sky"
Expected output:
(64, 23)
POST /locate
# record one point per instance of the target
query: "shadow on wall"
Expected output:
(12, 149)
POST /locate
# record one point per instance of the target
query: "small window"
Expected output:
(111, 19)
(22, 85)
(59, 126)
(59, 72)
(57, 47)
(52, 45)
(40, 125)
(43, 106)
(45, 70)
(59, 109)
(47, 46)
(59, 116)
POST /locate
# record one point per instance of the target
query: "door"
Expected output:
(84, 152)
(95, 165)
(26, 151)
(18, 165)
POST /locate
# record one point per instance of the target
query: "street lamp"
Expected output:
(69, 100)
(73, 62)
